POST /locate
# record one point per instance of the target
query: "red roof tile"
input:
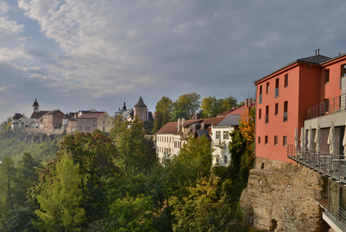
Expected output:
(91, 115)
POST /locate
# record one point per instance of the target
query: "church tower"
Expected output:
(35, 107)
(140, 110)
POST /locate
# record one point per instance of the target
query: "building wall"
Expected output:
(105, 123)
(276, 127)
(87, 125)
(221, 154)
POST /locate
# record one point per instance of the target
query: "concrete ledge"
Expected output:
(330, 219)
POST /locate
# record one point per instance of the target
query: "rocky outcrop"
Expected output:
(283, 199)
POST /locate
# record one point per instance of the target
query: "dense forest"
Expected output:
(113, 182)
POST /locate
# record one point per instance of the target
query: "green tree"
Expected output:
(132, 214)
(164, 105)
(179, 114)
(202, 209)
(5, 126)
(157, 121)
(136, 152)
(60, 198)
(96, 155)
(188, 103)
(7, 178)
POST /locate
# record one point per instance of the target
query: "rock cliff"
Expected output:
(282, 198)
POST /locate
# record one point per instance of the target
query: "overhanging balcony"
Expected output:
(327, 107)
(330, 165)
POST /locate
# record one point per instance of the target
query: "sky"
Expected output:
(81, 54)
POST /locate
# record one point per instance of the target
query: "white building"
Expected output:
(220, 135)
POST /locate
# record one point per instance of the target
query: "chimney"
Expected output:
(246, 102)
(315, 52)
(318, 51)
(182, 121)
(179, 125)
(250, 102)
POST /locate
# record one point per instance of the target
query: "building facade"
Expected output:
(301, 116)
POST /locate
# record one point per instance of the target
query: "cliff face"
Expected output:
(283, 199)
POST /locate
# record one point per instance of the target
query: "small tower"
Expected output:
(140, 110)
(35, 107)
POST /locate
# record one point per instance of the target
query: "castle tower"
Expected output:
(35, 107)
(140, 110)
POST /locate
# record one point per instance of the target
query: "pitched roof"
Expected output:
(91, 115)
(17, 116)
(53, 112)
(213, 121)
(241, 110)
(316, 59)
(230, 120)
(38, 115)
(140, 103)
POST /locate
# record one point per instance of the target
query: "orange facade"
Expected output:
(284, 97)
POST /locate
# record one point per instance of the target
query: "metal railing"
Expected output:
(327, 107)
(338, 215)
(333, 166)
(330, 165)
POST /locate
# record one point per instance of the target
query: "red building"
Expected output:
(305, 89)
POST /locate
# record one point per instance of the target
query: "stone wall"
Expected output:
(282, 198)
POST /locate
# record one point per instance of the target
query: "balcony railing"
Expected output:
(332, 166)
(327, 107)
(219, 143)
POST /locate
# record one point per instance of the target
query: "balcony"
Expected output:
(333, 166)
(219, 143)
(328, 107)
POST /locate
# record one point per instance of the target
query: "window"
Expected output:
(326, 105)
(277, 87)
(259, 113)
(225, 159)
(284, 142)
(286, 81)
(225, 135)
(259, 140)
(285, 111)
(267, 89)
(260, 95)
(276, 109)
(275, 140)
(326, 76)
(266, 140)
(267, 115)
(217, 135)
(343, 70)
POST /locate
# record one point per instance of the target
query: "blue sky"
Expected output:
(81, 54)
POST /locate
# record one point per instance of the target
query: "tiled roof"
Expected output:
(241, 110)
(140, 103)
(91, 115)
(230, 120)
(168, 128)
(213, 121)
(54, 112)
(318, 59)
(17, 116)
(37, 115)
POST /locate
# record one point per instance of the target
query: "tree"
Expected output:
(7, 177)
(164, 105)
(202, 209)
(157, 121)
(132, 214)
(212, 106)
(96, 155)
(60, 198)
(188, 103)
(136, 152)
(179, 114)
(5, 126)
